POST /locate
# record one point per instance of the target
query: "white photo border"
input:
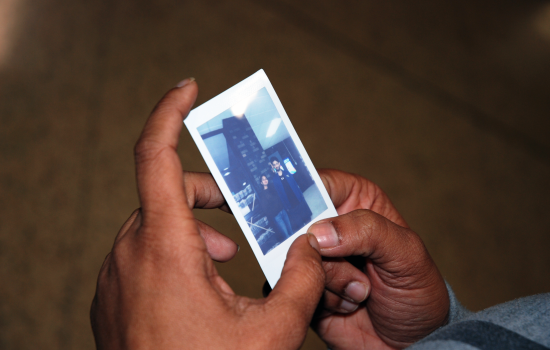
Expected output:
(271, 263)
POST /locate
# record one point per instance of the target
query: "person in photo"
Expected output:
(273, 208)
(291, 195)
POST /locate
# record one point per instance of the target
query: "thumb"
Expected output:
(395, 249)
(298, 291)
(367, 234)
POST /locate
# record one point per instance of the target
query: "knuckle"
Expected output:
(330, 272)
(146, 149)
(374, 224)
(364, 224)
(311, 270)
(164, 104)
(314, 267)
(336, 276)
(190, 189)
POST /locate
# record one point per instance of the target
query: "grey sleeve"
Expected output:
(457, 311)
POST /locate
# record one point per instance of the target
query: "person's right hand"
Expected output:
(394, 295)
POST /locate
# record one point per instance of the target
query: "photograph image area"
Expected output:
(263, 169)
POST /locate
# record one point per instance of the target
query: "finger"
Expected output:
(367, 234)
(350, 192)
(345, 280)
(158, 168)
(301, 284)
(220, 247)
(203, 192)
(333, 303)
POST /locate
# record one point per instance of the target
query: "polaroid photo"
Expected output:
(261, 168)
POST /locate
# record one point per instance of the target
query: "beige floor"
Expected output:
(444, 104)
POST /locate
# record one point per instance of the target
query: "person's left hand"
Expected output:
(393, 294)
(159, 289)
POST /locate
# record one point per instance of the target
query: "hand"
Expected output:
(396, 296)
(159, 289)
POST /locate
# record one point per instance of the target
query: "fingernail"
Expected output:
(356, 291)
(313, 242)
(185, 82)
(325, 233)
(347, 306)
(238, 248)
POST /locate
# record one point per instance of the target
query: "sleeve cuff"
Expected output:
(457, 311)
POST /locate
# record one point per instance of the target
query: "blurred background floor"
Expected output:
(444, 105)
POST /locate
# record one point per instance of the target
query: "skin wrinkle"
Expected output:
(399, 270)
(400, 308)
(356, 188)
(383, 227)
(191, 195)
(371, 188)
(392, 337)
(166, 254)
(153, 159)
(401, 282)
(147, 150)
(158, 244)
(396, 311)
(355, 191)
(206, 198)
(410, 268)
(207, 201)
